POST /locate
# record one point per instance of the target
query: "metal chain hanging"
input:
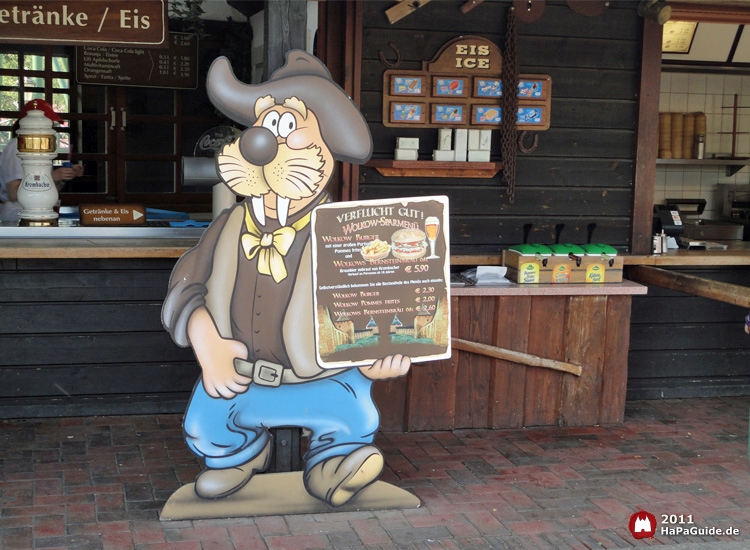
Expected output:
(510, 106)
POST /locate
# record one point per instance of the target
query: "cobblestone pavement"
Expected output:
(100, 482)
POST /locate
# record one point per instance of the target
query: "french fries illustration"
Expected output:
(375, 250)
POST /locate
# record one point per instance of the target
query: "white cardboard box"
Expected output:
(445, 139)
(479, 156)
(485, 140)
(443, 156)
(406, 154)
(407, 143)
(473, 140)
(460, 142)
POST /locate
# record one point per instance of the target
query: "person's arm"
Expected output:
(12, 188)
(64, 174)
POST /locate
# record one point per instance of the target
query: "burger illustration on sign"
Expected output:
(406, 244)
(409, 244)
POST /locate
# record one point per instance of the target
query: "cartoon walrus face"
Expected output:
(299, 121)
(281, 161)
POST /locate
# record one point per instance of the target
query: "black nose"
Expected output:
(258, 146)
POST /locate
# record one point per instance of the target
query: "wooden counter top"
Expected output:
(94, 248)
(737, 253)
(625, 288)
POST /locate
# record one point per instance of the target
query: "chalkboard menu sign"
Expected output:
(175, 67)
(380, 275)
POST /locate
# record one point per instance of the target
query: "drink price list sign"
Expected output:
(381, 278)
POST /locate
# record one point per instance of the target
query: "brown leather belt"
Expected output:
(263, 373)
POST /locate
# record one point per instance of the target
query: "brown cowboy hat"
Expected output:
(303, 76)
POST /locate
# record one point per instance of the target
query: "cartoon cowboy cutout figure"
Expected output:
(243, 297)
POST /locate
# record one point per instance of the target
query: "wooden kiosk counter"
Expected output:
(82, 335)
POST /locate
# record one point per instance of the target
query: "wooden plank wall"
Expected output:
(686, 346)
(582, 171)
(84, 337)
(475, 391)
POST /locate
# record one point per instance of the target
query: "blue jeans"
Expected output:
(338, 410)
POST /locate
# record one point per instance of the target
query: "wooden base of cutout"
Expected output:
(279, 494)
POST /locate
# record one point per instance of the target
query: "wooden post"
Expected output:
(647, 139)
(285, 23)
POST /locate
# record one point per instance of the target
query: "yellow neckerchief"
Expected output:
(270, 248)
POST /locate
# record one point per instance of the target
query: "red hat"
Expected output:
(40, 105)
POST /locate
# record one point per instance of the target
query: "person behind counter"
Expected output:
(11, 168)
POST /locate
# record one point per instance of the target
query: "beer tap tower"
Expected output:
(37, 147)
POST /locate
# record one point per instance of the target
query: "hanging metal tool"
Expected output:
(386, 62)
(522, 145)
(529, 11)
(508, 142)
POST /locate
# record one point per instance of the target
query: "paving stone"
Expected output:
(101, 482)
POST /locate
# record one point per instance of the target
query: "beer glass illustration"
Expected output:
(431, 227)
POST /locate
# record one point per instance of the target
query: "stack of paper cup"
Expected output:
(665, 135)
(677, 135)
(688, 135)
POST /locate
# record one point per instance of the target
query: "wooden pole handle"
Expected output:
(516, 356)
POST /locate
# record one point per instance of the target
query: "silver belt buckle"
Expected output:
(266, 373)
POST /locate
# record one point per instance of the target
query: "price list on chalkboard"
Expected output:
(175, 67)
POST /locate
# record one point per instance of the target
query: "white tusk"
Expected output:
(282, 209)
(259, 209)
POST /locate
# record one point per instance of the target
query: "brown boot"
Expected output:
(219, 483)
(338, 479)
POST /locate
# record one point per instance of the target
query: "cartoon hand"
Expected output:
(391, 366)
(216, 356)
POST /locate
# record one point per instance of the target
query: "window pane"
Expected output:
(150, 101)
(33, 62)
(63, 143)
(61, 103)
(33, 81)
(61, 83)
(149, 138)
(60, 64)
(149, 177)
(5, 137)
(92, 138)
(9, 101)
(28, 96)
(7, 80)
(93, 99)
(94, 180)
(8, 60)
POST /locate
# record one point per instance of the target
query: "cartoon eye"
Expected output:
(287, 124)
(271, 122)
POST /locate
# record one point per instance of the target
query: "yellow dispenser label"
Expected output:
(561, 274)
(595, 273)
(529, 272)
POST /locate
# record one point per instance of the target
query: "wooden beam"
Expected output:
(516, 356)
(710, 13)
(402, 9)
(690, 284)
(470, 5)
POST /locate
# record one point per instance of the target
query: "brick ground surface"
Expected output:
(100, 482)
